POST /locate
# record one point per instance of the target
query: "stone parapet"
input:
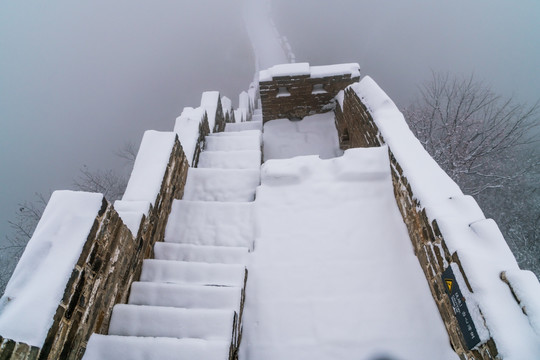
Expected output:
(357, 128)
(110, 260)
(303, 91)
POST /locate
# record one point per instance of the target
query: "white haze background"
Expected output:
(79, 79)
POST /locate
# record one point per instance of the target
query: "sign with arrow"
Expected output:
(461, 311)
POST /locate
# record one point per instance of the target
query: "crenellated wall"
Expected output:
(298, 90)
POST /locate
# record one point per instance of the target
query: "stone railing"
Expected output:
(298, 90)
(441, 249)
(111, 258)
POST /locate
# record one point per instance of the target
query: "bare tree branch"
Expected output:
(488, 145)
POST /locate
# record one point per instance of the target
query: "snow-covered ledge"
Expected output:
(37, 285)
(82, 257)
(448, 231)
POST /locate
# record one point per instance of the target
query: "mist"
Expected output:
(78, 80)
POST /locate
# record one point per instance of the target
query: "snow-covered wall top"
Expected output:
(150, 165)
(429, 182)
(38, 283)
(297, 69)
(187, 128)
(209, 102)
(480, 247)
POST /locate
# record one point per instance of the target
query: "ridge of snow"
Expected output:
(37, 285)
(147, 175)
(300, 69)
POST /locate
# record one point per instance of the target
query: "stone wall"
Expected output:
(297, 96)
(356, 128)
(110, 260)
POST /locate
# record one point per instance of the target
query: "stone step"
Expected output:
(114, 347)
(195, 273)
(211, 223)
(243, 159)
(199, 253)
(186, 296)
(161, 321)
(256, 124)
(233, 141)
(247, 133)
(221, 184)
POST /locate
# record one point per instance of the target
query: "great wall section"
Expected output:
(307, 223)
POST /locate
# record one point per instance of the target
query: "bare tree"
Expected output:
(489, 146)
(107, 182)
(110, 183)
(22, 227)
(472, 132)
(128, 152)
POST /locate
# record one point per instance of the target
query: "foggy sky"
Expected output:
(78, 79)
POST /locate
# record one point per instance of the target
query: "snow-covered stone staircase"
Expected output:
(188, 303)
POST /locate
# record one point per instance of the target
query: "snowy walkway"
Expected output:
(333, 274)
(188, 301)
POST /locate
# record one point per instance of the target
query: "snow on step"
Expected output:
(221, 184)
(243, 159)
(160, 321)
(243, 140)
(256, 117)
(198, 253)
(182, 272)
(185, 296)
(112, 347)
(211, 223)
(242, 126)
(248, 133)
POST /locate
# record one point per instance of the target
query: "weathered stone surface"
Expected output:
(306, 95)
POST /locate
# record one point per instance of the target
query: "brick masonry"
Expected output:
(306, 95)
(110, 260)
(356, 128)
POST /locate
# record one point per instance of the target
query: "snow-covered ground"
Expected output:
(315, 135)
(333, 274)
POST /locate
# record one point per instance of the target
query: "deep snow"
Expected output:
(333, 274)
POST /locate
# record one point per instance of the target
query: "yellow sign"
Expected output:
(449, 284)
